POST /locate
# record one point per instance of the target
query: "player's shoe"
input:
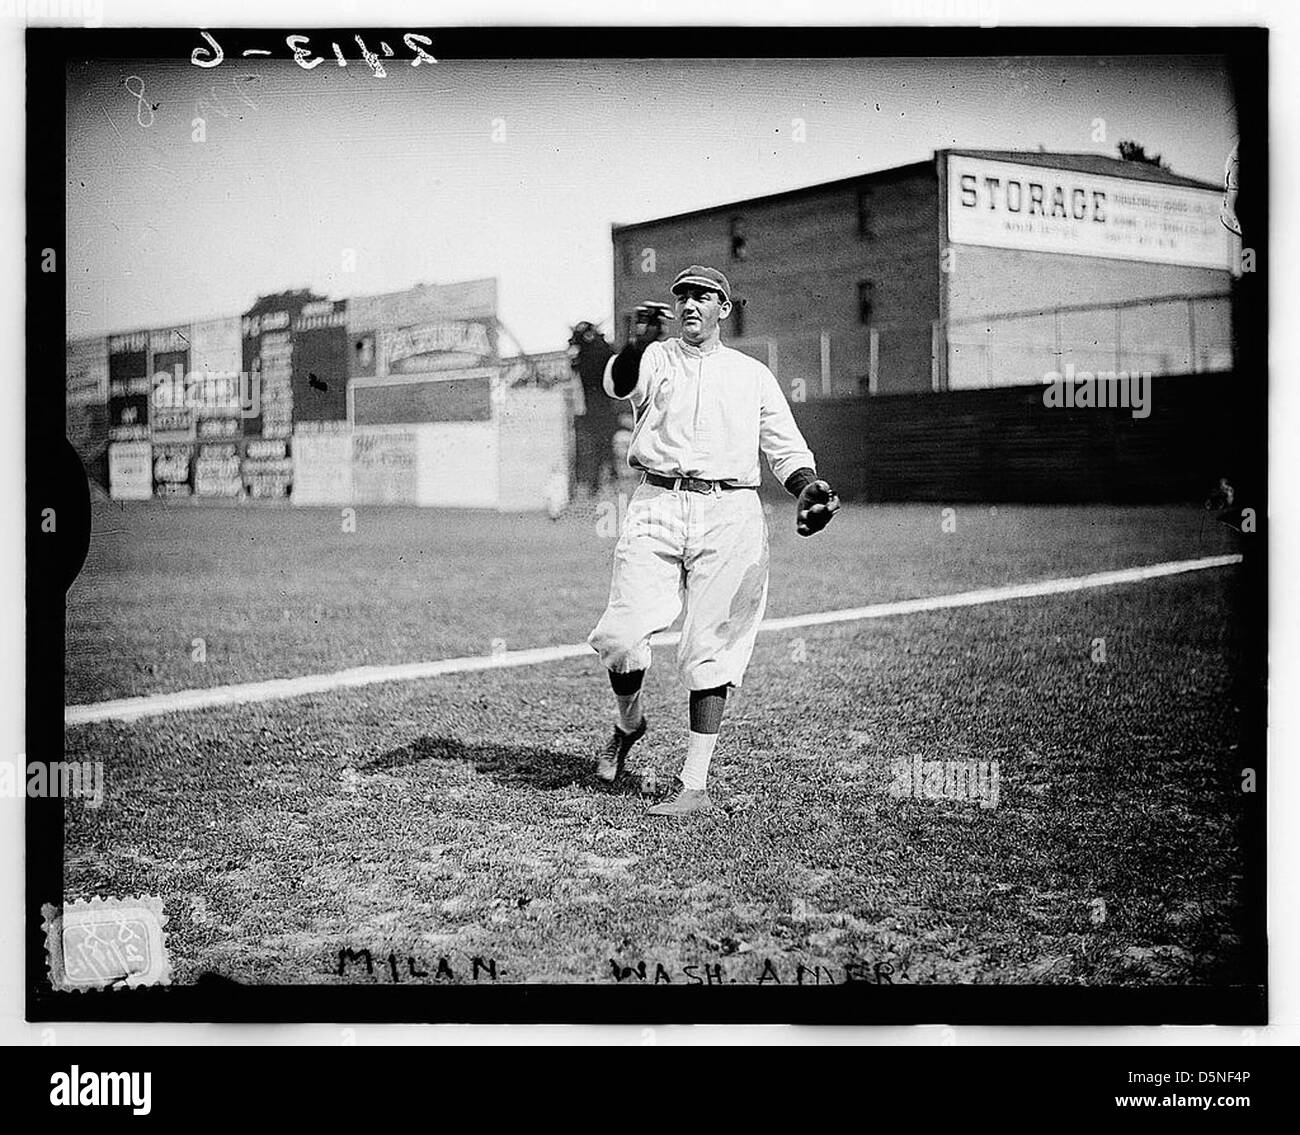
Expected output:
(609, 762)
(682, 801)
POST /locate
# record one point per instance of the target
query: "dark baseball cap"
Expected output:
(701, 277)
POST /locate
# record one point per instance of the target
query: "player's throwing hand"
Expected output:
(817, 505)
(648, 322)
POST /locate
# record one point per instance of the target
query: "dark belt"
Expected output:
(690, 484)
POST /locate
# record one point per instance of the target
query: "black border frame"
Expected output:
(219, 1000)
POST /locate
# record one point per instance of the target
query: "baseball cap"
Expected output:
(702, 277)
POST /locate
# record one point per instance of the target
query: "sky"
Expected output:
(516, 169)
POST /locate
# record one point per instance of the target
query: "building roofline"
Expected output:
(1081, 162)
(1084, 162)
(423, 284)
(784, 195)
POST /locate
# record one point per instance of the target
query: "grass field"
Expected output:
(457, 817)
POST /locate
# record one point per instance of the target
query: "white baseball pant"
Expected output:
(707, 549)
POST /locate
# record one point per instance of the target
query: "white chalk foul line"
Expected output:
(998, 594)
(130, 709)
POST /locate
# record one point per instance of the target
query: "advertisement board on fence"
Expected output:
(170, 418)
(427, 327)
(458, 396)
(213, 388)
(130, 470)
(86, 378)
(215, 347)
(384, 468)
(320, 363)
(266, 469)
(86, 427)
(438, 345)
(216, 470)
(171, 469)
(267, 335)
(86, 372)
(128, 386)
(322, 468)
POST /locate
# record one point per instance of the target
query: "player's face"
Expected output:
(700, 311)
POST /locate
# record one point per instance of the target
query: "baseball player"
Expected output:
(695, 529)
(594, 429)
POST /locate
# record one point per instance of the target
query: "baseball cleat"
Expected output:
(682, 801)
(609, 762)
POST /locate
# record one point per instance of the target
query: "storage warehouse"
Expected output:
(976, 268)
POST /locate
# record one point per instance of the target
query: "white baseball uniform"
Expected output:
(705, 415)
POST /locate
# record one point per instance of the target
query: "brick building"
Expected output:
(974, 268)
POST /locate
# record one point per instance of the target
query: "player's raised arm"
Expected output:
(624, 371)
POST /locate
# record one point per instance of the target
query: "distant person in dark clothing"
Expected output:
(594, 429)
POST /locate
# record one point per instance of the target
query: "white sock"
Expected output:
(699, 751)
(629, 711)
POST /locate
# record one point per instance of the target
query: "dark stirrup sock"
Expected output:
(627, 692)
(628, 683)
(706, 709)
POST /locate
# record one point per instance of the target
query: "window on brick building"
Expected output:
(865, 214)
(737, 318)
(739, 247)
(866, 298)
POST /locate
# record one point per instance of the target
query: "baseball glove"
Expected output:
(816, 506)
(648, 321)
